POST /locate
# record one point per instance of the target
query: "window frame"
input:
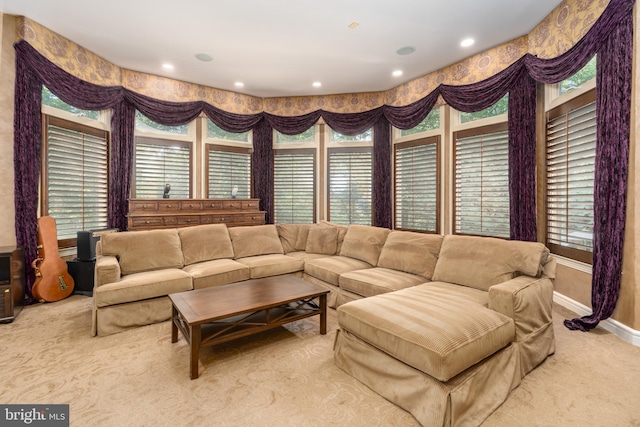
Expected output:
(230, 149)
(464, 133)
(360, 148)
(311, 151)
(49, 119)
(435, 139)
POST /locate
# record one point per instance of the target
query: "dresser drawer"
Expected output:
(147, 221)
(171, 220)
(250, 205)
(169, 206)
(254, 218)
(191, 205)
(144, 206)
(222, 218)
(188, 220)
(212, 204)
(232, 205)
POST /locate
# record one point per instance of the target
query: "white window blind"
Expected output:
(76, 180)
(294, 186)
(482, 182)
(571, 147)
(160, 162)
(350, 185)
(416, 185)
(228, 167)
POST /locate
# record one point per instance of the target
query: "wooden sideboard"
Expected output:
(147, 214)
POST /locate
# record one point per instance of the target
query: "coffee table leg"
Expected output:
(174, 326)
(323, 314)
(195, 332)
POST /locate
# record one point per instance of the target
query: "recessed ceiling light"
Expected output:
(239, 84)
(353, 25)
(467, 42)
(317, 84)
(167, 67)
(204, 57)
(397, 73)
(407, 50)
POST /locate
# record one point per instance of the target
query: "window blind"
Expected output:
(350, 185)
(76, 177)
(159, 162)
(294, 186)
(571, 147)
(416, 185)
(228, 167)
(482, 182)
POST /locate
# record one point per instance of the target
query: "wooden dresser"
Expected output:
(147, 214)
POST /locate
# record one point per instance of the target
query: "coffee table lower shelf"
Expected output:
(202, 332)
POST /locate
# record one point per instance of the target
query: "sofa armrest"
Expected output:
(107, 270)
(527, 300)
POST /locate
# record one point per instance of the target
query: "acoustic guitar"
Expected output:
(53, 281)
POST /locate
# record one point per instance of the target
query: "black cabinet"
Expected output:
(12, 283)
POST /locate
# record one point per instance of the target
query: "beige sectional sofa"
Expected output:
(443, 326)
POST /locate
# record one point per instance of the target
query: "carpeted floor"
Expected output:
(285, 377)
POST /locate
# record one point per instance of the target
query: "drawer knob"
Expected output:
(221, 219)
(189, 220)
(146, 222)
(144, 206)
(168, 206)
(190, 205)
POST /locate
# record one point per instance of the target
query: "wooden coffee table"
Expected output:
(219, 314)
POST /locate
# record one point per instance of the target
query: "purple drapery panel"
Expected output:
(121, 152)
(231, 122)
(352, 123)
(262, 165)
(26, 161)
(381, 174)
(411, 115)
(522, 159)
(32, 71)
(293, 125)
(165, 112)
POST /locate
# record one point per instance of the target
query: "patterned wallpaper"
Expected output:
(560, 30)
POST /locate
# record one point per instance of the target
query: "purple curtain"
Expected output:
(262, 166)
(382, 203)
(121, 155)
(613, 110)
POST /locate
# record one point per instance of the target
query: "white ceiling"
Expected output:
(280, 47)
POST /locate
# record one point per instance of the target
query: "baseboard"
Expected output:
(628, 334)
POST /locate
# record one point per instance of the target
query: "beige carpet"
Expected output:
(285, 377)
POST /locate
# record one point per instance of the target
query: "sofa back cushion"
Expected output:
(139, 251)
(481, 262)
(253, 240)
(288, 235)
(411, 252)
(364, 242)
(322, 240)
(205, 243)
(342, 231)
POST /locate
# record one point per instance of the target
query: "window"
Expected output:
(75, 176)
(159, 162)
(417, 185)
(228, 168)
(571, 147)
(500, 107)
(49, 99)
(294, 186)
(350, 185)
(482, 181)
(145, 124)
(361, 137)
(304, 137)
(216, 132)
(431, 122)
(588, 72)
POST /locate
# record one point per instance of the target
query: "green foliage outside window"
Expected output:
(306, 136)
(431, 122)
(588, 72)
(500, 107)
(144, 123)
(216, 132)
(48, 98)
(364, 136)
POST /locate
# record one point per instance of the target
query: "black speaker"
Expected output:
(82, 273)
(87, 243)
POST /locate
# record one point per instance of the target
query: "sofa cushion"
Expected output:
(377, 280)
(322, 240)
(342, 231)
(305, 255)
(142, 286)
(303, 234)
(205, 242)
(217, 272)
(272, 265)
(255, 240)
(411, 252)
(329, 268)
(364, 243)
(288, 235)
(438, 334)
(481, 262)
(139, 251)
